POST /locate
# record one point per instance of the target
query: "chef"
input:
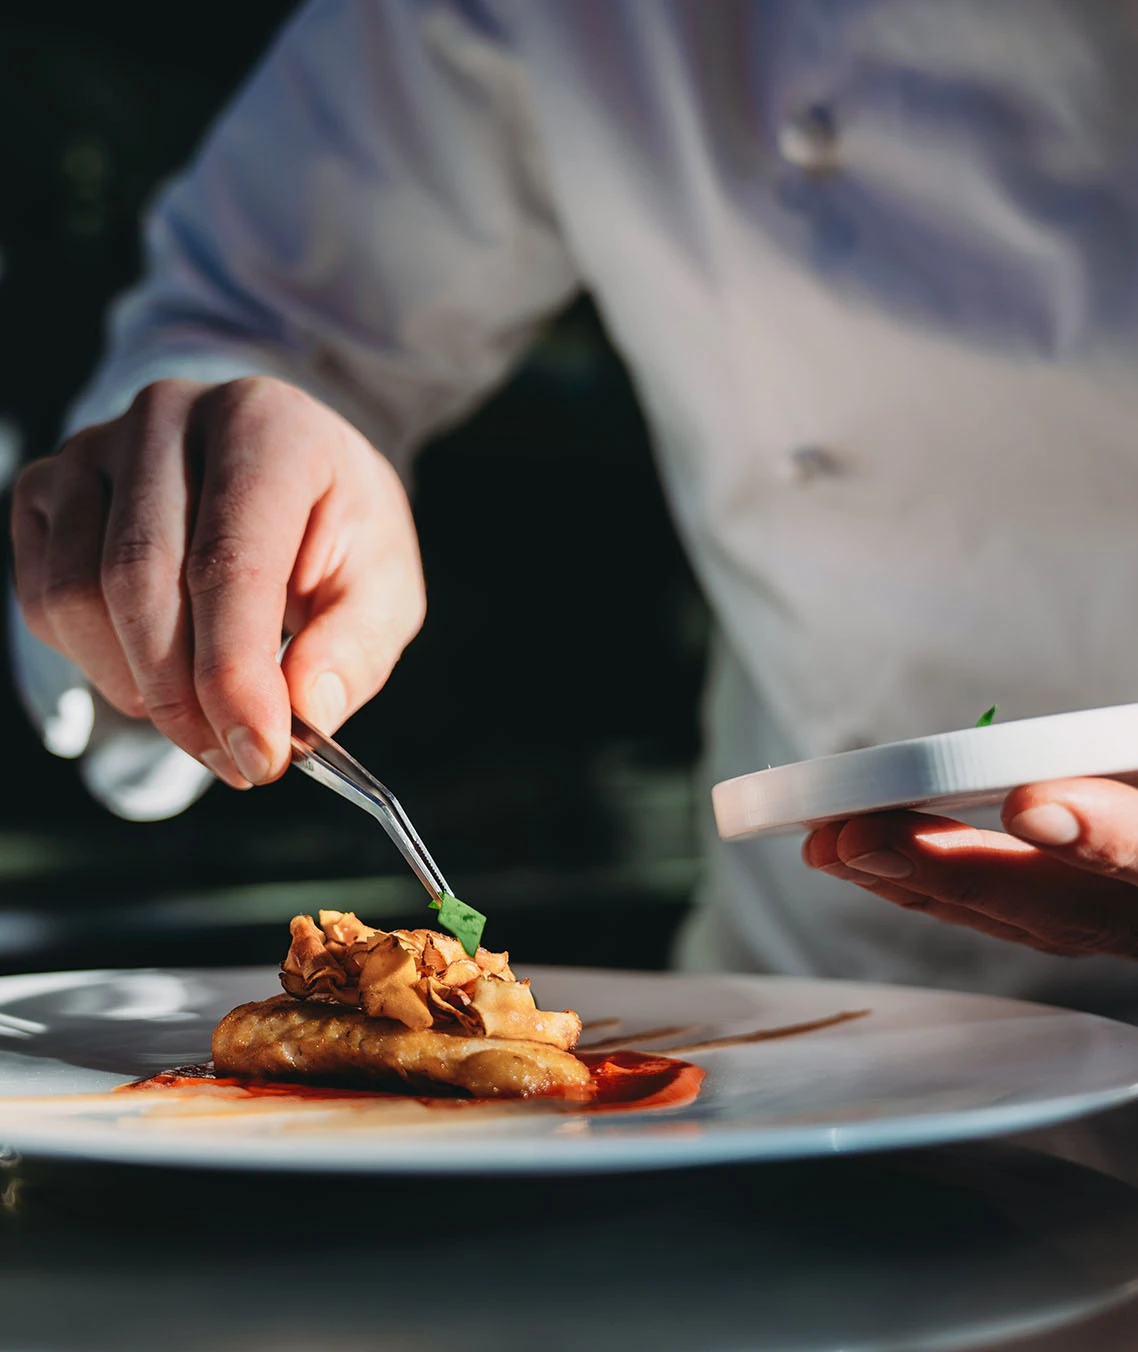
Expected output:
(873, 267)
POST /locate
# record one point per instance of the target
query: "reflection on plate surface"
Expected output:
(922, 1067)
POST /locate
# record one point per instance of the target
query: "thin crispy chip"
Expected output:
(417, 977)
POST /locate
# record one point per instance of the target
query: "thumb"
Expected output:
(340, 658)
(1091, 824)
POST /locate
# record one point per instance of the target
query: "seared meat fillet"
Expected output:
(288, 1039)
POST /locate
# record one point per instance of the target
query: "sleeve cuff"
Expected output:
(125, 764)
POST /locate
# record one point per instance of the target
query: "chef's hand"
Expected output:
(1064, 880)
(166, 551)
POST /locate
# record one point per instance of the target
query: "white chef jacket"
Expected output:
(873, 266)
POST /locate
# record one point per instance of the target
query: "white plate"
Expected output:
(948, 772)
(923, 1067)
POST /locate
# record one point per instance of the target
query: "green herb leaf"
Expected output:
(986, 717)
(463, 921)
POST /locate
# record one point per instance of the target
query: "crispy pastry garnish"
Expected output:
(418, 978)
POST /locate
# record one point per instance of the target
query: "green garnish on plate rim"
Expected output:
(986, 717)
(463, 921)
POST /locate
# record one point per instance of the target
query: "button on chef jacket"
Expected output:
(873, 266)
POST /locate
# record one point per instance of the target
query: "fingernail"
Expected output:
(1048, 824)
(329, 701)
(219, 764)
(249, 754)
(882, 864)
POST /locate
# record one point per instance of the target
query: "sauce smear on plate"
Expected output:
(622, 1081)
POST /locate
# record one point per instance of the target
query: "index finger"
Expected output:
(260, 479)
(994, 875)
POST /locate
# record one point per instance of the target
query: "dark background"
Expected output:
(542, 728)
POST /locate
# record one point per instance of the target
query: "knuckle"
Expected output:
(83, 447)
(114, 681)
(219, 563)
(155, 400)
(380, 643)
(250, 389)
(253, 401)
(134, 564)
(148, 400)
(219, 678)
(173, 712)
(402, 611)
(66, 595)
(29, 490)
(417, 612)
(129, 702)
(129, 551)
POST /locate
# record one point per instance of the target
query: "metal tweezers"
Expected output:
(330, 765)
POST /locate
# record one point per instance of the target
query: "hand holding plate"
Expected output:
(1065, 880)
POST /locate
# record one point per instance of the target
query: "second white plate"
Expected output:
(948, 772)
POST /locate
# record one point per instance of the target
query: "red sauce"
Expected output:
(193, 1077)
(623, 1081)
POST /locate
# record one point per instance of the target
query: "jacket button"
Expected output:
(810, 141)
(815, 462)
(852, 744)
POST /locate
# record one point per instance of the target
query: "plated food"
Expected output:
(794, 1068)
(401, 1009)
